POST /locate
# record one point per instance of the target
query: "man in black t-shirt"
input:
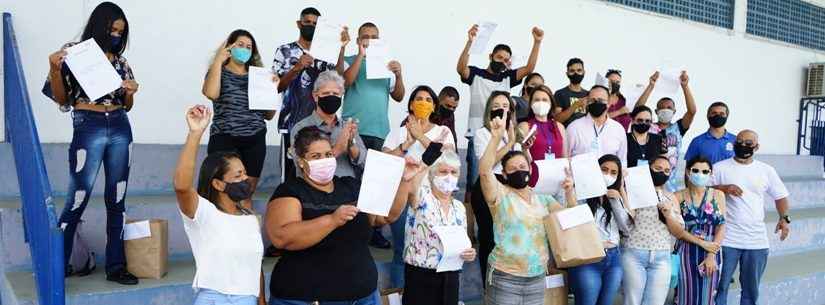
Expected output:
(569, 102)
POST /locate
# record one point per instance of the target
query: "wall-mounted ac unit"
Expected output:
(815, 85)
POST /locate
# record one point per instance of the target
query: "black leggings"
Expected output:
(251, 148)
(484, 221)
(426, 287)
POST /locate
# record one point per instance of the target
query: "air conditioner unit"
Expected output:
(815, 85)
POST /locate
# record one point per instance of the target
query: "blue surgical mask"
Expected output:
(241, 55)
(115, 43)
(699, 179)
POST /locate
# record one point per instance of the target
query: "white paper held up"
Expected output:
(640, 190)
(326, 42)
(483, 36)
(382, 176)
(575, 216)
(551, 175)
(92, 69)
(554, 281)
(454, 240)
(378, 57)
(587, 176)
(669, 82)
(262, 91)
(137, 230)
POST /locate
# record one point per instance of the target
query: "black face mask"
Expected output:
(614, 87)
(575, 78)
(238, 191)
(741, 151)
(307, 32)
(596, 109)
(444, 111)
(659, 178)
(497, 66)
(641, 128)
(529, 90)
(329, 104)
(518, 179)
(717, 121)
(498, 113)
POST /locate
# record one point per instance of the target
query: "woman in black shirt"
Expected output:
(642, 147)
(316, 221)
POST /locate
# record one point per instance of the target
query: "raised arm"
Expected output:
(339, 65)
(538, 35)
(397, 92)
(648, 90)
(489, 184)
(56, 77)
(687, 119)
(212, 84)
(464, 59)
(414, 173)
(197, 118)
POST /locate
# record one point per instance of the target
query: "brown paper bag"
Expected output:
(556, 295)
(385, 296)
(575, 246)
(147, 257)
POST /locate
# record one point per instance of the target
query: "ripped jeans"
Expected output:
(98, 139)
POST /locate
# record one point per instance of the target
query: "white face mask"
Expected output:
(665, 115)
(609, 179)
(446, 184)
(541, 108)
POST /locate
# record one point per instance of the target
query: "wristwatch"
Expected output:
(786, 218)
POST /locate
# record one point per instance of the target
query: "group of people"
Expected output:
(714, 221)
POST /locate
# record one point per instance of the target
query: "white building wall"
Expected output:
(171, 44)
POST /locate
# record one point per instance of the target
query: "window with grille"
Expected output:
(713, 12)
(792, 21)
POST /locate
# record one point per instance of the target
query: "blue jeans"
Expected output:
(597, 283)
(98, 139)
(646, 276)
(397, 266)
(372, 299)
(212, 297)
(752, 264)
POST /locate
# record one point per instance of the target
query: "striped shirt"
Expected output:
(232, 114)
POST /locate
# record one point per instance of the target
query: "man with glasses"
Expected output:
(746, 182)
(596, 132)
(717, 143)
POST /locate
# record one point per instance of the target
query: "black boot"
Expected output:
(121, 276)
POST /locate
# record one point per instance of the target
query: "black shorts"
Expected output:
(251, 148)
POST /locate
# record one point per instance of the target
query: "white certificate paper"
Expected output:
(640, 190)
(382, 176)
(378, 57)
(137, 230)
(326, 42)
(575, 216)
(551, 175)
(483, 36)
(587, 176)
(262, 91)
(93, 71)
(454, 240)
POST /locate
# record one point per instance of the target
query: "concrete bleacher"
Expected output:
(795, 274)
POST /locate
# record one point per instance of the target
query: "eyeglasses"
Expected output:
(696, 171)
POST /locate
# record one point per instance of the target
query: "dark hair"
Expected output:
(366, 25)
(422, 88)
(502, 47)
(449, 91)
(640, 109)
(305, 137)
(99, 27)
(659, 157)
(613, 71)
(665, 99)
(310, 11)
(510, 155)
(603, 201)
(690, 163)
(573, 61)
(720, 104)
(527, 80)
(255, 60)
(600, 86)
(549, 92)
(214, 166)
(511, 114)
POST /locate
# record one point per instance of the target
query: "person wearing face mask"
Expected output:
(428, 198)
(225, 236)
(531, 82)
(746, 181)
(236, 127)
(570, 99)
(717, 143)
(670, 131)
(102, 136)
(315, 219)
(298, 70)
(412, 140)
(703, 209)
(597, 133)
(548, 141)
(348, 147)
(598, 283)
(618, 104)
(647, 247)
(498, 76)
(642, 146)
(518, 263)
(444, 114)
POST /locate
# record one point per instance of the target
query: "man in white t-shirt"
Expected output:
(745, 182)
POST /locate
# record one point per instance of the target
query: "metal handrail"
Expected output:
(44, 237)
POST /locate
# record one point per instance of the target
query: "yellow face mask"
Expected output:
(422, 109)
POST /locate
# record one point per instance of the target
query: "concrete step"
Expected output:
(797, 279)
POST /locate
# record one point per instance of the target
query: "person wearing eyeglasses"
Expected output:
(746, 182)
(596, 132)
(642, 146)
